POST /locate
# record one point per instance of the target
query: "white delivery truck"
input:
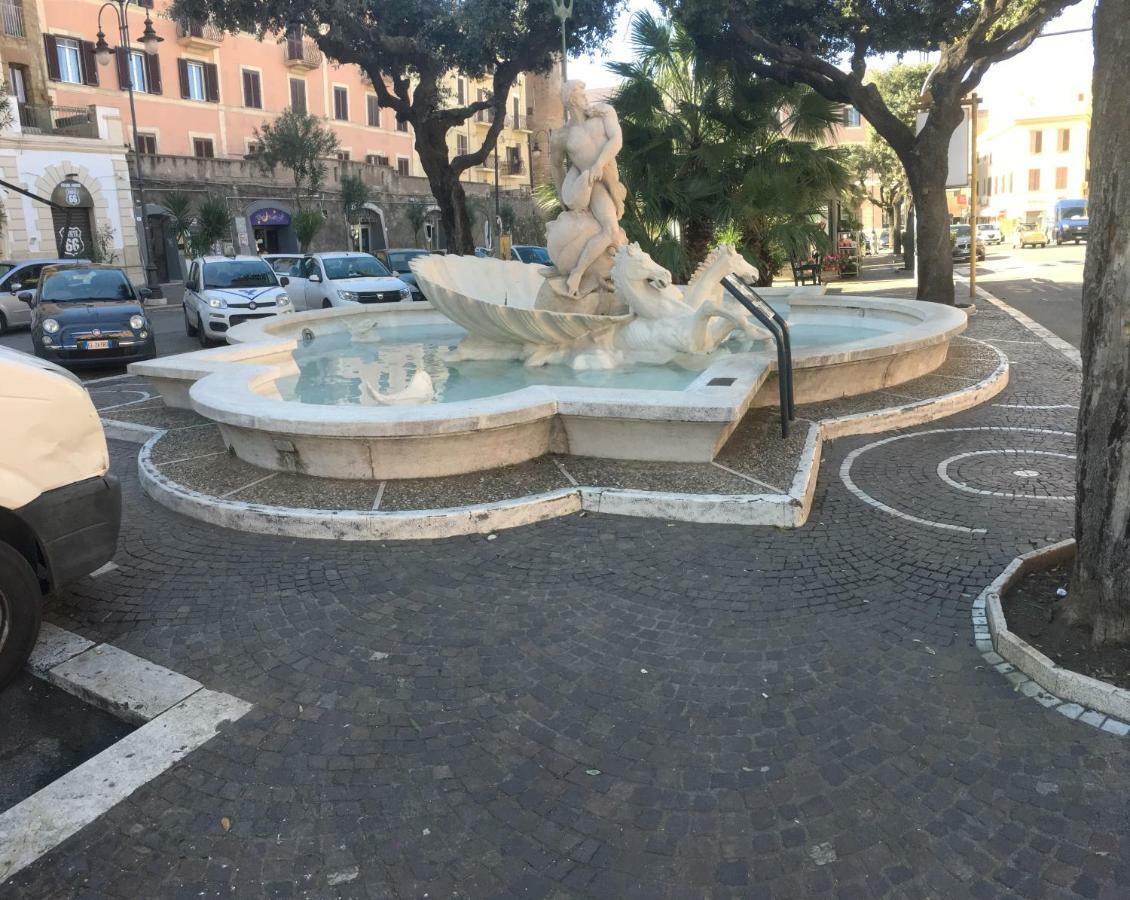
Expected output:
(60, 509)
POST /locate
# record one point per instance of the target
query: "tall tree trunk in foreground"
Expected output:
(1100, 586)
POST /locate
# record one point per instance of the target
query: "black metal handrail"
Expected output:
(776, 325)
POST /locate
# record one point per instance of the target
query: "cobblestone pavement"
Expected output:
(615, 707)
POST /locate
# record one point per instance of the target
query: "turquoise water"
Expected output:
(332, 367)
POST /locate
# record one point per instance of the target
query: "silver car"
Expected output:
(21, 275)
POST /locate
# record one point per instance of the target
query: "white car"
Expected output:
(989, 234)
(323, 280)
(224, 291)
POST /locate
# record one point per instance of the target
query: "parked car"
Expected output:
(399, 262)
(989, 233)
(963, 242)
(16, 276)
(1029, 234)
(884, 239)
(224, 291)
(530, 253)
(88, 315)
(60, 509)
(323, 280)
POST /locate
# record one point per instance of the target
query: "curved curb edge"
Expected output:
(1030, 672)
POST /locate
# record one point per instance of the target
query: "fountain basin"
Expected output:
(865, 344)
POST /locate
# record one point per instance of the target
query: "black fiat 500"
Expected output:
(89, 315)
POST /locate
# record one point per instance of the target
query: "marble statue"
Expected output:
(604, 303)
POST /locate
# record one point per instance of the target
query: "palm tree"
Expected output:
(708, 144)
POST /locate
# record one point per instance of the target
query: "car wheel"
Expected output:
(327, 305)
(20, 599)
(189, 328)
(202, 333)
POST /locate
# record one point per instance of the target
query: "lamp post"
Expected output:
(149, 41)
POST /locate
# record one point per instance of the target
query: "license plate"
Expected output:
(95, 345)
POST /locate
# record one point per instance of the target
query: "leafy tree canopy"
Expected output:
(299, 143)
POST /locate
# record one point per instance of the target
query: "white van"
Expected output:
(60, 509)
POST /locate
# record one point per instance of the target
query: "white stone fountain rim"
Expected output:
(229, 380)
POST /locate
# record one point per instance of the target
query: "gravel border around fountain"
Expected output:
(1032, 673)
(757, 478)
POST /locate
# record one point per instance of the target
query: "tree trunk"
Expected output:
(431, 145)
(896, 228)
(697, 234)
(1100, 586)
(927, 176)
(908, 240)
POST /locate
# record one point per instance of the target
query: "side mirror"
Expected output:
(26, 297)
(315, 277)
(144, 293)
(283, 280)
(15, 287)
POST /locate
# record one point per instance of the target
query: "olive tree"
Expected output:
(409, 47)
(826, 44)
(1100, 586)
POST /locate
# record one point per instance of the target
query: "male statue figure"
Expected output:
(583, 162)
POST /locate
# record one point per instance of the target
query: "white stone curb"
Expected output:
(786, 510)
(1031, 672)
(177, 716)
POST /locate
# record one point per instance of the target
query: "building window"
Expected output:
(1063, 140)
(462, 145)
(513, 160)
(1010, 182)
(402, 165)
(138, 71)
(254, 148)
(147, 144)
(1033, 179)
(373, 110)
(343, 155)
(376, 159)
(252, 90)
(515, 112)
(203, 148)
(69, 54)
(461, 91)
(341, 104)
(1035, 142)
(1061, 178)
(401, 126)
(851, 117)
(298, 95)
(196, 89)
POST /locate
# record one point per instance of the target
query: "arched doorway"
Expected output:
(433, 230)
(271, 229)
(71, 220)
(163, 248)
(370, 234)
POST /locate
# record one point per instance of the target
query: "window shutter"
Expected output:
(211, 83)
(121, 58)
(153, 66)
(182, 71)
(51, 50)
(89, 64)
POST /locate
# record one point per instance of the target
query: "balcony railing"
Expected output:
(301, 52)
(506, 165)
(73, 121)
(202, 34)
(12, 12)
(486, 116)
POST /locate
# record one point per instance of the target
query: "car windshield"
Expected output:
(986, 227)
(86, 286)
(400, 259)
(343, 267)
(238, 273)
(284, 264)
(533, 255)
(961, 231)
(1073, 212)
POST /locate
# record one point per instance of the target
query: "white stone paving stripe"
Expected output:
(47, 818)
(568, 475)
(944, 473)
(104, 569)
(380, 495)
(1036, 405)
(250, 484)
(1052, 340)
(763, 484)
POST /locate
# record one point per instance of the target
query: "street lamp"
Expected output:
(563, 9)
(104, 53)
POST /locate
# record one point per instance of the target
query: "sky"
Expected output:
(1051, 58)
